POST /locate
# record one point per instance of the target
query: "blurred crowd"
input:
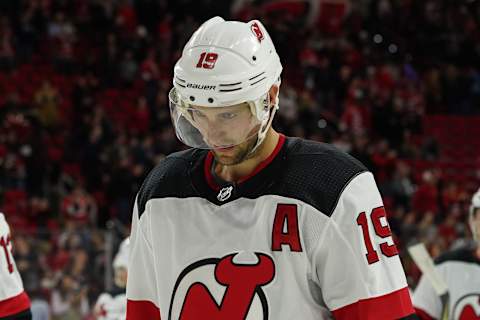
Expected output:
(84, 115)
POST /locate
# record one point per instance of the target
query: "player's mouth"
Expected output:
(223, 149)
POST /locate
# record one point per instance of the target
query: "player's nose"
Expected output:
(216, 134)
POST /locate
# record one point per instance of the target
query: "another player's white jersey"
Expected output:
(461, 271)
(13, 299)
(111, 306)
(305, 237)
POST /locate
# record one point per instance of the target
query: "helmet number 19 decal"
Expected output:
(207, 60)
(257, 31)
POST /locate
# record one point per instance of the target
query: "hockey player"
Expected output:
(14, 302)
(250, 224)
(460, 269)
(113, 305)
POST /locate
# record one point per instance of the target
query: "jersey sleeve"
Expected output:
(427, 303)
(142, 295)
(356, 263)
(13, 299)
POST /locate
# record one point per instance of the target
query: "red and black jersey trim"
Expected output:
(312, 172)
(142, 309)
(207, 167)
(393, 305)
(24, 315)
(17, 307)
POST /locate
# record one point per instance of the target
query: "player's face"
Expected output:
(229, 131)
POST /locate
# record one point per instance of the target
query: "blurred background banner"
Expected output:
(84, 117)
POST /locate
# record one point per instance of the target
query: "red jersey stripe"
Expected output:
(14, 305)
(266, 162)
(141, 310)
(393, 305)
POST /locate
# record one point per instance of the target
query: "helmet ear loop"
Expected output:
(474, 224)
(266, 121)
(267, 107)
(266, 114)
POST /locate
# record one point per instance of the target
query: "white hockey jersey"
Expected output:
(13, 299)
(461, 270)
(113, 305)
(304, 237)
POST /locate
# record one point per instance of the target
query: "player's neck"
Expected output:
(236, 172)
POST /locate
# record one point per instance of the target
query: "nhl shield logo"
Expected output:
(217, 289)
(225, 193)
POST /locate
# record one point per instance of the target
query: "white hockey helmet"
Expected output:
(226, 65)
(474, 206)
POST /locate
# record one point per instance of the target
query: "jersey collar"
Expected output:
(216, 183)
(220, 192)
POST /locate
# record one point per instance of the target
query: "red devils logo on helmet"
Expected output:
(218, 289)
(257, 31)
(467, 307)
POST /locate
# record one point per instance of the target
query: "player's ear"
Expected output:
(273, 94)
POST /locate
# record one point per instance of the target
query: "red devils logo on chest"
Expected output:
(218, 289)
(467, 307)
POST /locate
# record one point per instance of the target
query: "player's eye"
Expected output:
(198, 114)
(227, 115)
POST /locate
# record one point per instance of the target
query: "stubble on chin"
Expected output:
(241, 154)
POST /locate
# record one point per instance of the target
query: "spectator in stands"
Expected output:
(7, 49)
(27, 262)
(69, 299)
(79, 208)
(425, 197)
(47, 101)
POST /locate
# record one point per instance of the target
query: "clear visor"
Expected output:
(216, 127)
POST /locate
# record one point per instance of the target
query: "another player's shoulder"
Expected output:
(170, 178)
(3, 224)
(319, 170)
(464, 253)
